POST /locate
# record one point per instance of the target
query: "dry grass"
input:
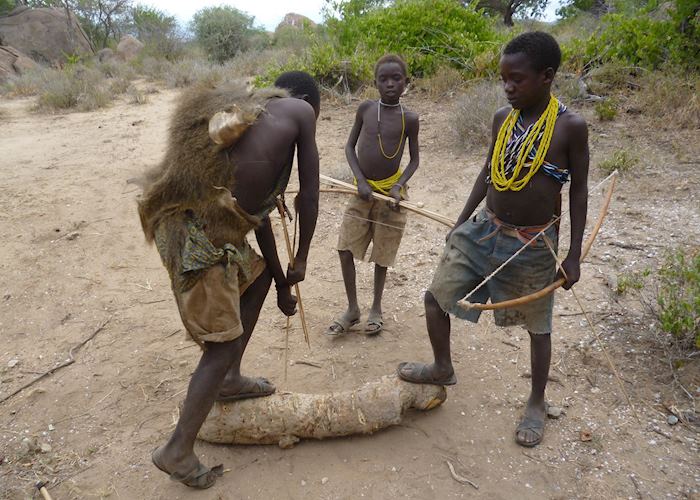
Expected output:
(445, 81)
(669, 99)
(75, 87)
(472, 117)
(136, 96)
(27, 84)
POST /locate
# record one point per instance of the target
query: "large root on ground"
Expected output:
(284, 418)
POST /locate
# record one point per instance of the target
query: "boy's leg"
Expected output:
(352, 315)
(374, 318)
(251, 302)
(177, 455)
(441, 371)
(531, 428)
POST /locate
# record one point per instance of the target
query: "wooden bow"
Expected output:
(465, 304)
(346, 188)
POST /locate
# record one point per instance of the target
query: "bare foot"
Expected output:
(530, 430)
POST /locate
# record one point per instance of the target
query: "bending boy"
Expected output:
(198, 206)
(379, 133)
(537, 145)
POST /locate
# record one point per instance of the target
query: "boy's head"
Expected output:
(390, 77)
(528, 65)
(302, 86)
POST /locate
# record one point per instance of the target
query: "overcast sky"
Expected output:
(267, 13)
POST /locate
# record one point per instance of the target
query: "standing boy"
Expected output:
(380, 132)
(537, 145)
(198, 206)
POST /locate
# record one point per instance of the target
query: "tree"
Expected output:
(158, 31)
(574, 7)
(223, 31)
(510, 8)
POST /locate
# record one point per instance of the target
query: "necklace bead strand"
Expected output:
(379, 134)
(546, 121)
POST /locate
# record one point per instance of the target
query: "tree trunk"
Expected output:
(285, 418)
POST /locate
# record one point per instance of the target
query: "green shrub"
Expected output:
(606, 110)
(223, 31)
(633, 280)
(642, 41)
(679, 296)
(428, 34)
(621, 161)
(158, 31)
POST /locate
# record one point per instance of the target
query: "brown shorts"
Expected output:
(376, 221)
(211, 309)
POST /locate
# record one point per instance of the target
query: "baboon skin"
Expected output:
(197, 175)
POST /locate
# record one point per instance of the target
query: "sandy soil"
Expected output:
(73, 258)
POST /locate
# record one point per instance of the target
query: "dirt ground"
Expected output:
(73, 259)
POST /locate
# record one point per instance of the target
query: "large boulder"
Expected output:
(13, 63)
(105, 54)
(46, 35)
(129, 48)
(296, 20)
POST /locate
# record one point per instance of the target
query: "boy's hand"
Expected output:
(364, 191)
(572, 271)
(396, 194)
(297, 273)
(286, 301)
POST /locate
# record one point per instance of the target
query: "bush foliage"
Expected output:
(428, 34)
(679, 296)
(223, 32)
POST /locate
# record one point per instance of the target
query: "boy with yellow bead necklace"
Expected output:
(537, 145)
(374, 151)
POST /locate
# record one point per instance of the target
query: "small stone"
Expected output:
(303, 483)
(595, 390)
(51, 427)
(585, 436)
(29, 445)
(554, 411)
(672, 420)
(12, 363)
(45, 447)
(324, 480)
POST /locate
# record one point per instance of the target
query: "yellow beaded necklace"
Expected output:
(499, 177)
(379, 134)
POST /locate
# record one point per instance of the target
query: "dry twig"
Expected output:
(68, 362)
(458, 478)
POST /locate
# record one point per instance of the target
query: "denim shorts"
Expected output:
(474, 250)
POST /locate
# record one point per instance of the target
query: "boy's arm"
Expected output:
(414, 152)
(306, 201)
(266, 241)
(363, 189)
(578, 196)
(480, 187)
